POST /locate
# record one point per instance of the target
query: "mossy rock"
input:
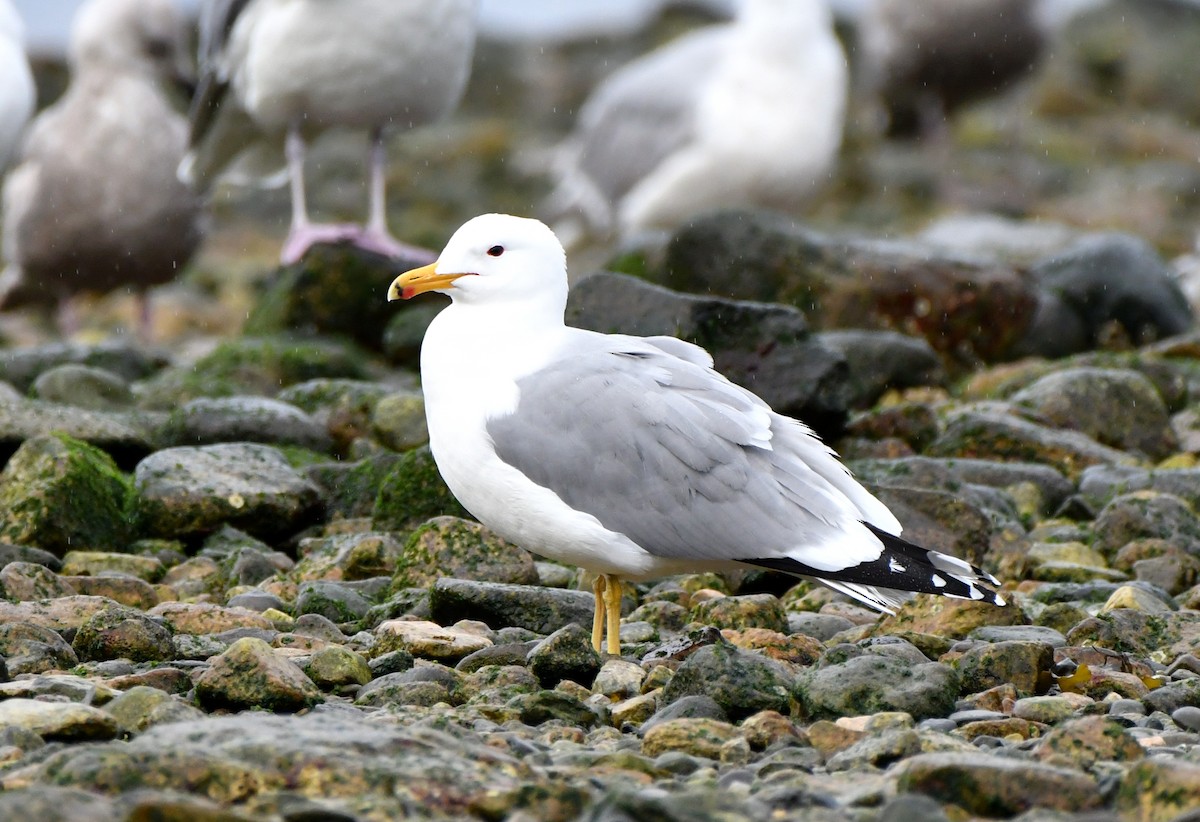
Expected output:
(335, 289)
(453, 547)
(350, 489)
(60, 494)
(255, 366)
(412, 492)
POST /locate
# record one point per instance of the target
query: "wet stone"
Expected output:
(872, 683)
(62, 721)
(565, 654)
(26, 581)
(206, 421)
(250, 674)
(741, 682)
(123, 633)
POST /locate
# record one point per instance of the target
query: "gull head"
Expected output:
(147, 37)
(494, 258)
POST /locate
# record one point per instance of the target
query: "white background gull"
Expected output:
(16, 83)
(630, 456)
(748, 113)
(282, 71)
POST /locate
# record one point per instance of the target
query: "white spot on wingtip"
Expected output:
(1001, 601)
(894, 566)
(938, 581)
(975, 592)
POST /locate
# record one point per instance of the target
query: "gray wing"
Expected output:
(675, 457)
(220, 130)
(217, 18)
(638, 116)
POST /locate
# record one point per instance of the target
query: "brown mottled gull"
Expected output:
(94, 203)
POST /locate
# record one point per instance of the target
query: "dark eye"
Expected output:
(495, 251)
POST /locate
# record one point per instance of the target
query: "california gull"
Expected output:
(747, 113)
(630, 456)
(94, 203)
(17, 94)
(274, 73)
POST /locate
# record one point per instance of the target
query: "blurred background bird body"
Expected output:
(922, 60)
(94, 203)
(276, 73)
(748, 113)
(17, 94)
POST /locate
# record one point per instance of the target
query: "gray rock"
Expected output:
(331, 600)
(249, 674)
(1025, 665)
(27, 553)
(126, 437)
(83, 387)
(343, 407)
(741, 682)
(565, 654)
(350, 488)
(1187, 717)
(33, 649)
(958, 303)
(871, 683)
(256, 601)
(1019, 633)
(997, 787)
(499, 605)
(463, 549)
(206, 421)
(130, 362)
(545, 706)
(1117, 278)
(393, 662)
(1146, 515)
(880, 361)
(143, 707)
(62, 494)
(687, 707)
(184, 492)
(50, 803)
(393, 767)
(817, 626)
(123, 633)
(761, 346)
(25, 581)
(877, 750)
(989, 434)
(1116, 407)
(58, 721)
(1100, 484)
(398, 420)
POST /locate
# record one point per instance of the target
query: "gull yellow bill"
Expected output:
(418, 281)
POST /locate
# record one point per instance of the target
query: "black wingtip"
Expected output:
(901, 566)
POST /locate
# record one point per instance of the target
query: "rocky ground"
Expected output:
(235, 588)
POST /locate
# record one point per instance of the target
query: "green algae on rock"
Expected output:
(448, 546)
(59, 493)
(412, 492)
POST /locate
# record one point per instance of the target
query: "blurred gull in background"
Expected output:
(16, 83)
(923, 59)
(747, 113)
(278, 72)
(94, 202)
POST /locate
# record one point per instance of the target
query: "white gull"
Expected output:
(275, 73)
(630, 456)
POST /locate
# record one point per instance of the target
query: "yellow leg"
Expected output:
(612, 603)
(598, 585)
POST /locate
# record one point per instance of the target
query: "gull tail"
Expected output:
(883, 583)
